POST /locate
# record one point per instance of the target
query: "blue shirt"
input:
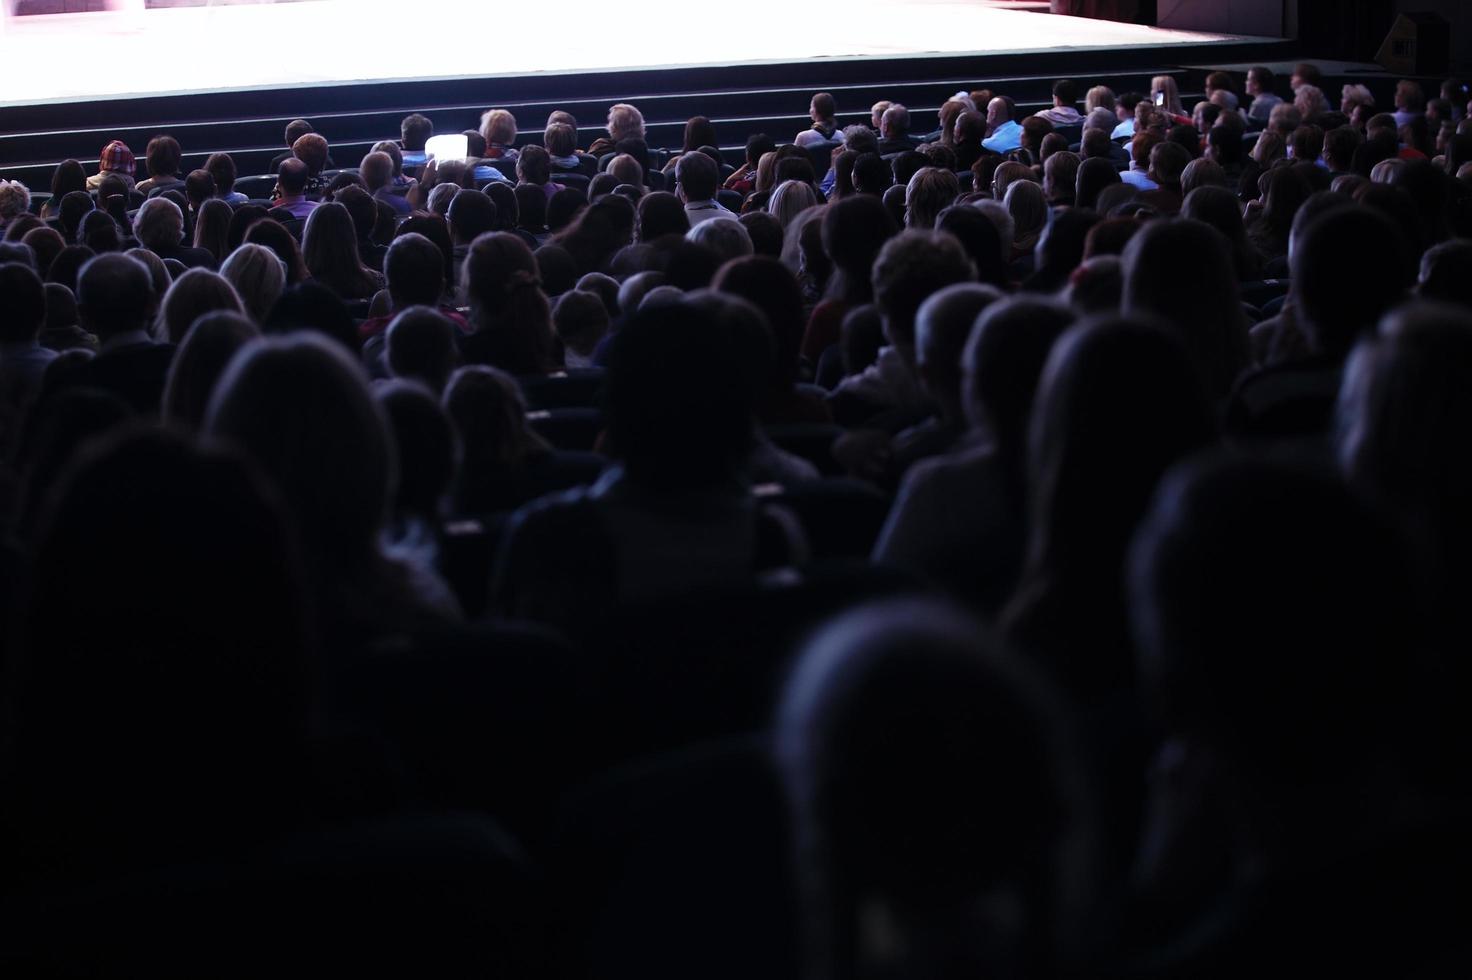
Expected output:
(484, 173)
(1006, 138)
(1124, 129)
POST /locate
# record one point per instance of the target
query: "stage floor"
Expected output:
(86, 57)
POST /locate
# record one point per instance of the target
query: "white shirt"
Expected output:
(698, 211)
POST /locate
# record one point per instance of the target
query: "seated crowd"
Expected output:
(1032, 548)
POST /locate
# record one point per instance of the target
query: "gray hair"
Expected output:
(728, 239)
(15, 199)
(159, 223)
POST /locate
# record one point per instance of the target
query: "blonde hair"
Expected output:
(791, 199)
(766, 169)
(1029, 211)
(1099, 97)
(498, 127)
(1268, 148)
(259, 277)
(625, 122)
(1167, 85)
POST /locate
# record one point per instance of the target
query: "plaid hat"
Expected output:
(116, 157)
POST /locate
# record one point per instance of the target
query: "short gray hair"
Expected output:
(159, 223)
(15, 199)
(728, 239)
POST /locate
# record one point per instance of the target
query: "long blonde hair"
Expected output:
(1167, 85)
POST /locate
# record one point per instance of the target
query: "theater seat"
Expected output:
(573, 429)
(842, 517)
(256, 188)
(575, 388)
(576, 181)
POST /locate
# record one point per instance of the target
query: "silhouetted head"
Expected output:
(420, 344)
(1305, 683)
(1183, 272)
(205, 350)
(191, 296)
(300, 406)
(909, 268)
(679, 397)
(114, 295)
(424, 444)
(943, 325)
(900, 729)
(1348, 269)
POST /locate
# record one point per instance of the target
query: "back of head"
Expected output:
(908, 269)
(292, 177)
(728, 239)
(1294, 545)
(531, 208)
(1060, 177)
(1446, 269)
(192, 295)
(1002, 364)
(1094, 174)
(982, 241)
(114, 295)
(1184, 272)
(420, 345)
(1168, 161)
(258, 276)
(765, 232)
(311, 149)
(296, 129)
(424, 443)
(175, 681)
(871, 174)
(767, 284)
(300, 406)
(1119, 403)
(312, 308)
(697, 177)
(46, 244)
(162, 156)
(581, 319)
(929, 192)
(500, 281)
(563, 207)
(159, 224)
(488, 411)
(414, 131)
(377, 169)
(679, 397)
(895, 122)
(660, 213)
(899, 729)
(1348, 269)
(414, 268)
(942, 327)
(204, 352)
(23, 310)
(1061, 247)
